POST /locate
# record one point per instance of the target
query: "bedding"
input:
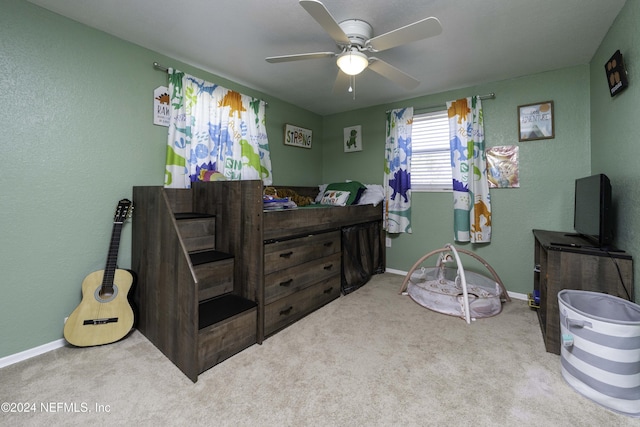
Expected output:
(372, 195)
(368, 194)
(336, 198)
(354, 188)
(310, 219)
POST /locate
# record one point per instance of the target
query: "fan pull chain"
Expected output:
(352, 86)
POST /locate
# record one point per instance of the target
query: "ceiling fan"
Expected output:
(354, 39)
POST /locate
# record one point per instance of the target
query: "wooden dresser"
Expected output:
(300, 275)
(565, 261)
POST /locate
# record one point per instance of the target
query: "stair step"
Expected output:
(214, 277)
(192, 215)
(222, 307)
(198, 230)
(214, 273)
(204, 257)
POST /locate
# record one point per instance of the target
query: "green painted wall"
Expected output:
(547, 171)
(614, 130)
(78, 134)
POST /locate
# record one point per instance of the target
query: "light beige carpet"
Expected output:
(372, 358)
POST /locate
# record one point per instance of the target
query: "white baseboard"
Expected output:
(514, 295)
(518, 295)
(28, 354)
(393, 271)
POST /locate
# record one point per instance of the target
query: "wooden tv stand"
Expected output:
(568, 261)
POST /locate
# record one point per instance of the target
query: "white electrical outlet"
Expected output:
(65, 319)
(388, 242)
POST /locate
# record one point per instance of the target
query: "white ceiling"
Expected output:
(482, 41)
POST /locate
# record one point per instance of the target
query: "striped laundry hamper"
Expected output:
(600, 349)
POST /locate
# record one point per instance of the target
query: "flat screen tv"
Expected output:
(593, 216)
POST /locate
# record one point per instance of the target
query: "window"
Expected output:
(431, 158)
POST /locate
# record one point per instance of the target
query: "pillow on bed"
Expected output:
(322, 188)
(335, 198)
(355, 189)
(373, 195)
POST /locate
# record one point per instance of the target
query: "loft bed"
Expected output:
(301, 220)
(278, 266)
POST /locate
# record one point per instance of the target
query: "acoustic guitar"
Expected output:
(104, 314)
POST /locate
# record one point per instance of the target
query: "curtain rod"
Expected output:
(482, 97)
(160, 67)
(165, 69)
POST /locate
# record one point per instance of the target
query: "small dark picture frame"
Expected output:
(616, 74)
(535, 121)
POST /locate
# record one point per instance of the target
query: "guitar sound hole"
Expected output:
(106, 293)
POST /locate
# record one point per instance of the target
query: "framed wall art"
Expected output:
(353, 138)
(535, 121)
(297, 136)
(616, 74)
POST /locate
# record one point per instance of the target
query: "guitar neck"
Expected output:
(112, 258)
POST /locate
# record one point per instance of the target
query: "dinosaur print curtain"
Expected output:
(397, 171)
(214, 129)
(471, 199)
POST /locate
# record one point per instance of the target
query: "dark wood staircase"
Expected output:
(197, 299)
(213, 269)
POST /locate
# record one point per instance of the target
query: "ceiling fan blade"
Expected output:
(392, 73)
(343, 81)
(300, 57)
(419, 30)
(326, 21)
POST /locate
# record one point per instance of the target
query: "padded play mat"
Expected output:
(452, 290)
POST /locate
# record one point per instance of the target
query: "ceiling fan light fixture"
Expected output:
(352, 62)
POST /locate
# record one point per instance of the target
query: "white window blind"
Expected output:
(431, 159)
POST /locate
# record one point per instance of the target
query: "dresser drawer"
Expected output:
(287, 253)
(285, 282)
(287, 310)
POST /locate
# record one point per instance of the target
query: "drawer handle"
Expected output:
(327, 244)
(286, 311)
(328, 291)
(286, 254)
(328, 267)
(286, 282)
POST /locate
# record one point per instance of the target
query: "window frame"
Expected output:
(436, 152)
